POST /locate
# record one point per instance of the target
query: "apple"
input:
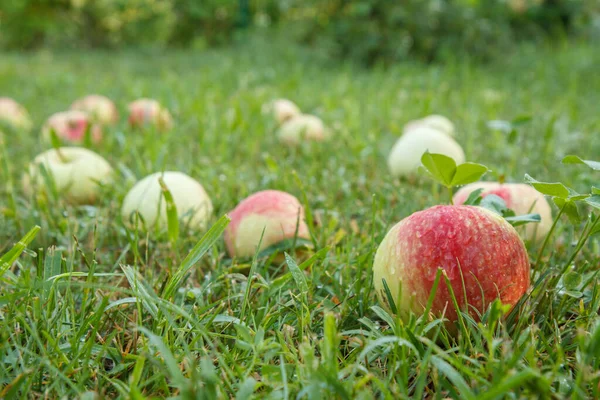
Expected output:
(14, 115)
(470, 244)
(193, 205)
(433, 121)
(278, 213)
(77, 173)
(284, 110)
(70, 126)
(148, 112)
(302, 128)
(405, 157)
(100, 109)
(519, 197)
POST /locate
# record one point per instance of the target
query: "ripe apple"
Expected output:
(100, 109)
(279, 214)
(77, 173)
(70, 126)
(434, 121)
(193, 205)
(14, 115)
(405, 157)
(470, 244)
(519, 197)
(148, 112)
(302, 128)
(284, 110)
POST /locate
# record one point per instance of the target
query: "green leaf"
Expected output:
(172, 220)
(523, 219)
(8, 259)
(474, 198)
(441, 168)
(594, 201)
(572, 280)
(390, 298)
(298, 275)
(555, 189)
(197, 252)
(494, 203)
(453, 376)
(468, 173)
(570, 209)
(572, 159)
(595, 190)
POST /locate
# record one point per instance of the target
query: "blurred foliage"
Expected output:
(366, 30)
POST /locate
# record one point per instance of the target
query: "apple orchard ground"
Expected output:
(224, 338)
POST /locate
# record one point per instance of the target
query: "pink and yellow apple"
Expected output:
(519, 197)
(302, 128)
(470, 244)
(71, 126)
(77, 174)
(100, 109)
(279, 214)
(148, 112)
(284, 110)
(14, 115)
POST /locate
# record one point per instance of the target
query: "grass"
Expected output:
(91, 309)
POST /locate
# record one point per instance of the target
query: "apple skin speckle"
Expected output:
(470, 244)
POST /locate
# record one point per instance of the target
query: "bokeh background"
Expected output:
(366, 31)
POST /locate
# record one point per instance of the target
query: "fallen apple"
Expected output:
(71, 127)
(434, 121)
(100, 109)
(279, 214)
(192, 203)
(148, 112)
(302, 128)
(14, 115)
(519, 197)
(77, 174)
(284, 110)
(405, 157)
(479, 252)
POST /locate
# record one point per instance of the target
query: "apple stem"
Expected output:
(450, 195)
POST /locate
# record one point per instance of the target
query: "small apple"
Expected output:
(405, 157)
(279, 214)
(70, 126)
(284, 110)
(100, 109)
(77, 173)
(434, 121)
(14, 115)
(148, 112)
(519, 197)
(481, 254)
(302, 128)
(193, 205)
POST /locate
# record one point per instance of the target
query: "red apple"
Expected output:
(521, 198)
(279, 214)
(70, 126)
(470, 244)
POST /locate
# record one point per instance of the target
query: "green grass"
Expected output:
(90, 307)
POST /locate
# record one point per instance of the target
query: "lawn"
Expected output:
(128, 315)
